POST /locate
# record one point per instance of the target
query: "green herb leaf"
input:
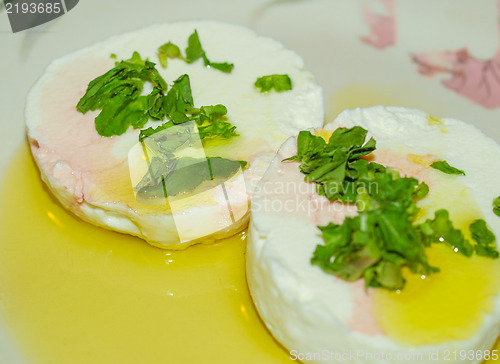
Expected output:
(422, 190)
(480, 232)
(223, 67)
(211, 121)
(444, 167)
(383, 238)
(135, 59)
(309, 144)
(441, 230)
(484, 238)
(279, 83)
(155, 104)
(330, 163)
(179, 100)
(117, 93)
(347, 137)
(120, 113)
(168, 50)
(496, 206)
(178, 106)
(374, 246)
(194, 51)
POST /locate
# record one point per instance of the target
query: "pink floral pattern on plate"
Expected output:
(475, 79)
(382, 26)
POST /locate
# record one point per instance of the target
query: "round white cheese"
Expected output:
(91, 174)
(319, 317)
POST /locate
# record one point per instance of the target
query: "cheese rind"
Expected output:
(316, 315)
(89, 174)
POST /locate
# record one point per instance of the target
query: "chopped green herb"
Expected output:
(117, 93)
(330, 163)
(194, 51)
(211, 121)
(496, 206)
(112, 56)
(223, 67)
(168, 50)
(383, 238)
(279, 83)
(120, 113)
(441, 230)
(178, 107)
(484, 238)
(179, 100)
(422, 190)
(444, 167)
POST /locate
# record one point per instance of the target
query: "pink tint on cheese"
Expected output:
(404, 165)
(64, 141)
(362, 319)
(291, 195)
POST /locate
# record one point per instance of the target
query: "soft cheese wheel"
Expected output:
(89, 173)
(317, 316)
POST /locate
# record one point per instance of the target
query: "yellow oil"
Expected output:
(75, 293)
(449, 305)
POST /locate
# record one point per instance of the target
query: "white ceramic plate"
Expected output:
(362, 52)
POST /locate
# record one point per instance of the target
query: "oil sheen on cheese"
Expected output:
(75, 293)
(449, 305)
(456, 309)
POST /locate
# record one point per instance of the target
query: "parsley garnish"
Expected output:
(441, 230)
(194, 51)
(330, 163)
(496, 206)
(118, 94)
(168, 50)
(444, 167)
(383, 238)
(279, 83)
(178, 106)
(484, 239)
